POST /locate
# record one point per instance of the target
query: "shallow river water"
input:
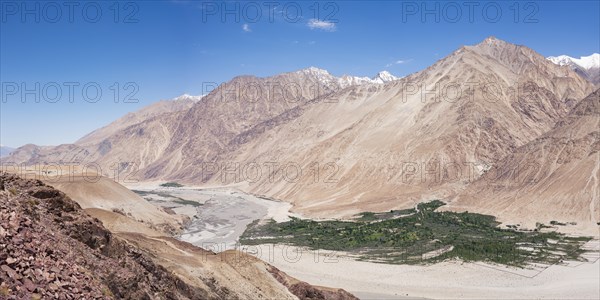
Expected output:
(218, 216)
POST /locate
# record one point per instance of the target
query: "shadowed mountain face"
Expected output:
(553, 177)
(180, 103)
(334, 149)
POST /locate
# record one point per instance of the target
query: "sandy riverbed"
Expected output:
(225, 213)
(218, 216)
(447, 280)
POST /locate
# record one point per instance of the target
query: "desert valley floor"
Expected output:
(222, 214)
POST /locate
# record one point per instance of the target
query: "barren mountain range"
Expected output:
(338, 146)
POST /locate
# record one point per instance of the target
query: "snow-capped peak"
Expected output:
(319, 74)
(344, 81)
(383, 77)
(585, 62)
(586, 66)
(189, 97)
(560, 60)
(591, 61)
(314, 71)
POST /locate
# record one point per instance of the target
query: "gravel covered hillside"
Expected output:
(52, 249)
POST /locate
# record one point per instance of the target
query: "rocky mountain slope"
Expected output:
(104, 194)
(50, 248)
(554, 177)
(334, 148)
(94, 146)
(586, 66)
(180, 103)
(151, 136)
(387, 147)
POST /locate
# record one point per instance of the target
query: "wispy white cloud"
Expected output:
(246, 28)
(322, 25)
(398, 62)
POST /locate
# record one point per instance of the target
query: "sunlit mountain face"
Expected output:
(299, 150)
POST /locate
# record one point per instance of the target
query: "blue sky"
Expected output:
(162, 49)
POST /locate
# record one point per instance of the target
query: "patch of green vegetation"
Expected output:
(540, 226)
(187, 202)
(557, 223)
(119, 211)
(107, 293)
(33, 202)
(266, 198)
(148, 196)
(171, 184)
(371, 216)
(142, 193)
(421, 235)
(4, 291)
(367, 216)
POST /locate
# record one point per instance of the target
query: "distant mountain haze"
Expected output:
(4, 151)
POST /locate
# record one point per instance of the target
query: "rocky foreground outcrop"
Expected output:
(51, 249)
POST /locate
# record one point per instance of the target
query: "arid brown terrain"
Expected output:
(359, 146)
(52, 249)
(560, 169)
